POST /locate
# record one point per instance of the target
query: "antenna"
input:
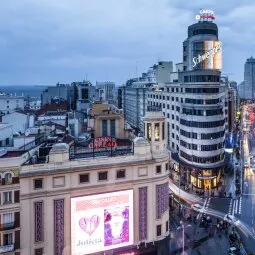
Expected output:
(136, 72)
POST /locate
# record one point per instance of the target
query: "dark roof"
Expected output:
(58, 126)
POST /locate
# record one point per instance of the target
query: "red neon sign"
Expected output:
(103, 142)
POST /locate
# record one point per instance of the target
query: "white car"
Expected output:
(231, 219)
(197, 207)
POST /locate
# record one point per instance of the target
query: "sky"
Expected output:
(50, 41)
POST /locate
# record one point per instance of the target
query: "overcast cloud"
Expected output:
(50, 41)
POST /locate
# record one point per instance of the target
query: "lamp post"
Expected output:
(182, 227)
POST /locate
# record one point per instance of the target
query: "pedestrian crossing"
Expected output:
(235, 206)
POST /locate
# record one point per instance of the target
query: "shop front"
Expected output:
(205, 179)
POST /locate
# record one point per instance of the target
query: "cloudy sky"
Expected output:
(50, 41)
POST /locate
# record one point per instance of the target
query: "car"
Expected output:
(197, 207)
(231, 219)
(246, 164)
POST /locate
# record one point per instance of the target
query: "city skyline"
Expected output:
(46, 42)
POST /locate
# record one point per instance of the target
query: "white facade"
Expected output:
(106, 91)
(56, 118)
(20, 121)
(9, 104)
(35, 105)
(6, 135)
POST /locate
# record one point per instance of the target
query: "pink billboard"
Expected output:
(101, 222)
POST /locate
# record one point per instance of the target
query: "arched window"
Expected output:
(8, 178)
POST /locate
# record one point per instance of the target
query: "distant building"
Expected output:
(86, 94)
(35, 105)
(58, 117)
(134, 104)
(20, 121)
(103, 122)
(58, 92)
(9, 104)
(249, 79)
(106, 91)
(6, 135)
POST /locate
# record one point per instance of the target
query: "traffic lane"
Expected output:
(220, 204)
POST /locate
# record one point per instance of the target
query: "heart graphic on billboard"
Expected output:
(89, 225)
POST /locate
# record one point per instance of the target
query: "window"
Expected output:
(84, 178)
(163, 130)
(7, 239)
(121, 173)
(16, 196)
(7, 197)
(167, 226)
(158, 169)
(38, 218)
(149, 131)
(112, 128)
(85, 93)
(39, 251)
(8, 221)
(38, 183)
(158, 230)
(157, 133)
(8, 178)
(102, 176)
(166, 167)
(104, 127)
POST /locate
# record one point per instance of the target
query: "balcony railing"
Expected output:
(7, 248)
(9, 225)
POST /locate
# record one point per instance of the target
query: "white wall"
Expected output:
(6, 131)
(21, 141)
(9, 104)
(19, 121)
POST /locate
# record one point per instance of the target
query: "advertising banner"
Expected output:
(101, 222)
(209, 56)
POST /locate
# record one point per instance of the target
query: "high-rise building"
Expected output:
(106, 91)
(196, 108)
(249, 79)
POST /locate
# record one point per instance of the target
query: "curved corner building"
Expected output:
(203, 112)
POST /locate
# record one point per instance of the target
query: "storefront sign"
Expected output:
(102, 142)
(207, 55)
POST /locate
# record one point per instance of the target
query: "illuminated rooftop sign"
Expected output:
(205, 15)
(212, 56)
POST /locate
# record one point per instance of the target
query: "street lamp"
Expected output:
(183, 229)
